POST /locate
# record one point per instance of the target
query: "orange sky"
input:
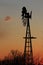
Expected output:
(12, 30)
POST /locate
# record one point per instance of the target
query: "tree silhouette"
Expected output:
(17, 59)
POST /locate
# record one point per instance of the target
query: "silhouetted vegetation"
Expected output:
(15, 58)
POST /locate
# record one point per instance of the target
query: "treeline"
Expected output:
(16, 58)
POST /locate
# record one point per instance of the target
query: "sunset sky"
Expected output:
(12, 30)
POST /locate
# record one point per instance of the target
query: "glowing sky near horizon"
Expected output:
(12, 29)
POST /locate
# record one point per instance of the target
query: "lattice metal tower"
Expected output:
(28, 54)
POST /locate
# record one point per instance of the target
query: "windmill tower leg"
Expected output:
(28, 54)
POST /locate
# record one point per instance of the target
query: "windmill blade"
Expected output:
(24, 21)
(24, 11)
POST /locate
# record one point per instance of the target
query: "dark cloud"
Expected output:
(7, 18)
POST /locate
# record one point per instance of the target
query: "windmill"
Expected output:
(28, 53)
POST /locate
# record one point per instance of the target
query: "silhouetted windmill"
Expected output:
(28, 54)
